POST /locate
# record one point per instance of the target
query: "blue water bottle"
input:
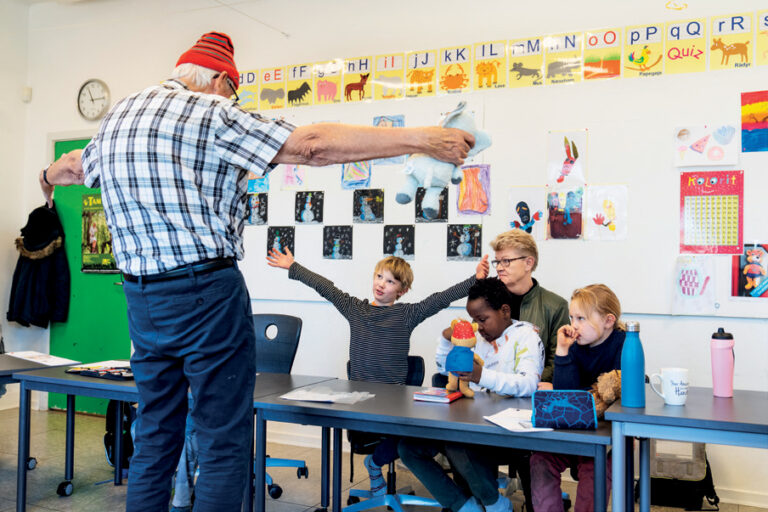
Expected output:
(632, 368)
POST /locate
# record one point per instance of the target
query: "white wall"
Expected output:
(132, 43)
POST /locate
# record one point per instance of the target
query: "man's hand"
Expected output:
(67, 170)
(278, 259)
(545, 385)
(448, 144)
(566, 336)
(483, 268)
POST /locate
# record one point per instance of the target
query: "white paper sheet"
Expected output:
(324, 394)
(515, 420)
(38, 357)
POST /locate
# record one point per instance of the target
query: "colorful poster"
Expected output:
(563, 58)
(357, 72)
(490, 65)
(464, 242)
(749, 275)
(732, 43)
(421, 73)
(337, 242)
(455, 70)
(706, 145)
(694, 287)
(256, 212)
(566, 156)
(393, 121)
(280, 238)
(564, 211)
(249, 90)
(754, 121)
(399, 240)
(388, 82)
(96, 245)
(602, 54)
(686, 50)
(328, 81)
(761, 40)
(308, 207)
(368, 206)
(712, 212)
(527, 207)
(293, 176)
(643, 51)
(272, 91)
(474, 191)
(442, 206)
(526, 62)
(299, 85)
(606, 217)
(257, 183)
(356, 175)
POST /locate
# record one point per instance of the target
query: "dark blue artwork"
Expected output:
(572, 409)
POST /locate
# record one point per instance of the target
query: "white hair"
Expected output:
(198, 76)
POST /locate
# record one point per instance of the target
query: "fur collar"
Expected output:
(40, 253)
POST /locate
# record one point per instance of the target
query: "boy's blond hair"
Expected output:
(598, 298)
(519, 240)
(400, 270)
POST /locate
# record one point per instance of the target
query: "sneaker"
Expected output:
(471, 505)
(502, 505)
(378, 484)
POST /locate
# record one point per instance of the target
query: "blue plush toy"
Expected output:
(434, 175)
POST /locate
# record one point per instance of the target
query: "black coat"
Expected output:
(41, 281)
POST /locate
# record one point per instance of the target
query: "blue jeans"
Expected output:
(192, 333)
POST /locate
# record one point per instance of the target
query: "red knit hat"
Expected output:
(462, 330)
(213, 50)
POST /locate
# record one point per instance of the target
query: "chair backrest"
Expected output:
(277, 338)
(415, 375)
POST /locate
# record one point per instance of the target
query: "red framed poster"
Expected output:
(712, 212)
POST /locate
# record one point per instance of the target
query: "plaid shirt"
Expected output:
(173, 166)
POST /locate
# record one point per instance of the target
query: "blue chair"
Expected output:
(364, 443)
(277, 338)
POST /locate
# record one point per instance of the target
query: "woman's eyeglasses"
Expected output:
(505, 262)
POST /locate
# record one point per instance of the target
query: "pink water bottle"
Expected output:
(723, 359)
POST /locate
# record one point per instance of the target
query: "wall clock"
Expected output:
(93, 99)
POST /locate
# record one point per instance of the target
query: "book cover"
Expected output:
(440, 395)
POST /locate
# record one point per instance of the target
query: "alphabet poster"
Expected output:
(606, 217)
(706, 145)
(474, 197)
(256, 211)
(280, 237)
(368, 206)
(399, 240)
(566, 156)
(754, 121)
(527, 209)
(749, 272)
(712, 212)
(442, 209)
(396, 121)
(564, 208)
(694, 287)
(337, 242)
(464, 242)
(309, 207)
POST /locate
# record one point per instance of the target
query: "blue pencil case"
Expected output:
(573, 409)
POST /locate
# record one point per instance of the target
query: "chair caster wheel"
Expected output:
(65, 488)
(566, 504)
(302, 472)
(275, 491)
(352, 500)
(31, 463)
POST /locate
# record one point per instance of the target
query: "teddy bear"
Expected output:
(606, 390)
(434, 175)
(461, 357)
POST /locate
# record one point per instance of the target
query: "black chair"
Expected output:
(277, 338)
(364, 443)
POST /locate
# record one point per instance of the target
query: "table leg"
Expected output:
(23, 449)
(618, 454)
(601, 499)
(69, 456)
(260, 464)
(645, 474)
(337, 469)
(629, 472)
(325, 468)
(119, 444)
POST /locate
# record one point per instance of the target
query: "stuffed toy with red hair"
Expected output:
(461, 358)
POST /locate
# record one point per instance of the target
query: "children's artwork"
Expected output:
(356, 175)
(309, 207)
(606, 207)
(293, 176)
(442, 208)
(754, 121)
(337, 242)
(712, 212)
(706, 145)
(564, 209)
(256, 211)
(749, 276)
(474, 197)
(399, 240)
(368, 206)
(258, 183)
(96, 246)
(464, 242)
(280, 238)
(566, 156)
(694, 289)
(527, 207)
(396, 121)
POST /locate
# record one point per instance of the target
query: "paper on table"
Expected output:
(38, 357)
(515, 420)
(324, 394)
(106, 364)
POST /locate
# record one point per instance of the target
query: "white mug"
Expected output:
(674, 385)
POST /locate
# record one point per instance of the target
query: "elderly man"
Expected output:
(172, 162)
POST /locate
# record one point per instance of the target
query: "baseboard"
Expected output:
(742, 497)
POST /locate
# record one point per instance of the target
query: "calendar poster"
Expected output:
(712, 212)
